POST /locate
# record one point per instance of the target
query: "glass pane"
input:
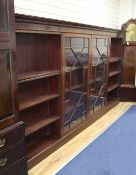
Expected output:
(100, 47)
(3, 16)
(67, 42)
(76, 61)
(5, 85)
(98, 81)
(70, 58)
(77, 43)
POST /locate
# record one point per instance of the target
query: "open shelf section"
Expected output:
(36, 100)
(112, 87)
(39, 123)
(114, 73)
(36, 75)
(39, 68)
(114, 59)
(36, 148)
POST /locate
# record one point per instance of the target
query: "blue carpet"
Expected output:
(112, 153)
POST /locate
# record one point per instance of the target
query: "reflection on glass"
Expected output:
(5, 85)
(76, 61)
(98, 82)
(3, 15)
(131, 32)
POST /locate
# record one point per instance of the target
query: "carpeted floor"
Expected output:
(112, 153)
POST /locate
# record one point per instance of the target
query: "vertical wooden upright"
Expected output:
(8, 96)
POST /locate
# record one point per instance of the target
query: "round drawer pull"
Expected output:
(3, 161)
(2, 142)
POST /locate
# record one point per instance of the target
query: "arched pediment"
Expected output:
(130, 30)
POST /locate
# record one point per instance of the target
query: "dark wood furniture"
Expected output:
(57, 77)
(8, 88)
(12, 150)
(38, 67)
(68, 75)
(115, 62)
(128, 84)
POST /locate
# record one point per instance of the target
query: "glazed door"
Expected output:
(7, 53)
(76, 58)
(99, 62)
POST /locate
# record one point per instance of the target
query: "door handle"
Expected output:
(2, 142)
(3, 161)
(90, 82)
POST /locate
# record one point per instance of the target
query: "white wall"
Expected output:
(127, 11)
(94, 12)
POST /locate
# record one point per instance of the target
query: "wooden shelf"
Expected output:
(69, 69)
(98, 64)
(114, 73)
(36, 100)
(74, 87)
(73, 47)
(36, 75)
(128, 86)
(114, 59)
(112, 87)
(85, 66)
(39, 123)
(98, 79)
(39, 146)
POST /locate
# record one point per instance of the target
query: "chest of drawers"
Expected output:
(12, 150)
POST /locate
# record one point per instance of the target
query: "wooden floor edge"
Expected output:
(37, 159)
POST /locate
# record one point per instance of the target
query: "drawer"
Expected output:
(20, 168)
(11, 135)
(9, 156)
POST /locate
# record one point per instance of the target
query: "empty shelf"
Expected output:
(112, 87)
(39, 147)
(114, 59)
(27, 103)
(39, 123)
(114, 73)
(25, 77)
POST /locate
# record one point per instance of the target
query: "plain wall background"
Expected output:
(105, 13)
(127, 11)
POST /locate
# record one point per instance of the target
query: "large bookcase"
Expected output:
(67, 78)
(63, 77)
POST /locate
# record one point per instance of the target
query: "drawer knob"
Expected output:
(3, 161)
(2, 142)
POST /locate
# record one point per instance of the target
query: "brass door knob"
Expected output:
(2, 142)
(3, 161)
